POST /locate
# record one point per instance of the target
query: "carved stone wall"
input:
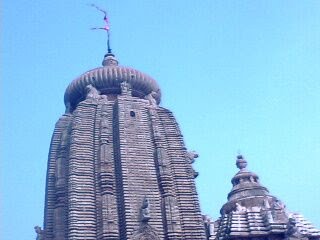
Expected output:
(108, 155)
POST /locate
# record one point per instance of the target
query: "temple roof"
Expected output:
(246, 189)
(252, 212)
(107, 79)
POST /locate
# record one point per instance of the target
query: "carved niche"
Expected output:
(145, 231)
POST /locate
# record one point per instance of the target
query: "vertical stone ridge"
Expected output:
(97, 175)
(61, 174)
(115, 151)
(192, 224)
(139, 177)
(50, 197)
(81, 186)
(170, 211)
(106, 173)
(118, 173)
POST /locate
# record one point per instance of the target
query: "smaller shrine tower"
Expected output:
(252, 213)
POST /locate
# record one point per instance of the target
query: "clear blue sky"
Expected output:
(237, 75)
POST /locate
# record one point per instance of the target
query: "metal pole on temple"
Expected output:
(108, 41)
(106, 27)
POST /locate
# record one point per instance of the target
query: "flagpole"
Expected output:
(108, 41)
(106, 27)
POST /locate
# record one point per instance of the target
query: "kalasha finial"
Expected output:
(109, 60)
(106, 25)
(241, 162)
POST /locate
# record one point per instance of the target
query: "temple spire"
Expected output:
(245, 183)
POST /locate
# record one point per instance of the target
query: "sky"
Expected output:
(238, 76)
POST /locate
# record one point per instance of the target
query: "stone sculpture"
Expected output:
(293, 232)
(126, 88)
(240, 209)
(192, 155)
(92, 92)
(151, 97)
(39, 232)
(145, 211)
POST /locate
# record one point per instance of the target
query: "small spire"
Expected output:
(241, 162)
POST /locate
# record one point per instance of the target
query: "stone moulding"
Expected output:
(108, 80)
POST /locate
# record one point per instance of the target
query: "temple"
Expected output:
(253, 213)
(118, 169)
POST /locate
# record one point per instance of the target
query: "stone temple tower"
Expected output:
(118, 167)
(252, 213)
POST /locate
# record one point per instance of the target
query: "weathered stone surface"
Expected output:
(118, 167)
(252, 213)
(107, 80)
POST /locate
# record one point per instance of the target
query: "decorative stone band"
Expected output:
(107, 80)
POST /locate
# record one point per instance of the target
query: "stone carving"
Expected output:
(268, 216)
(293, 231)
(92, 92)
(266, 204)
(277, 204)
(252, 179)
(39, 232)
(151, 98)
(191, 156)
(104, 123)
(145, 211)
(60, 162)
(109, 218)
(240, 209)
(267, 211)
(145, 232)
(108, 201)
(191, 159)
(279, 213)
(172, 214)
(125, 88)
(209, 226)
(162, 161)
(255, 209)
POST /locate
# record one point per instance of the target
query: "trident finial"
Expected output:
(106, 26)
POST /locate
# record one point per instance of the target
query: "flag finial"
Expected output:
(106, 26)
